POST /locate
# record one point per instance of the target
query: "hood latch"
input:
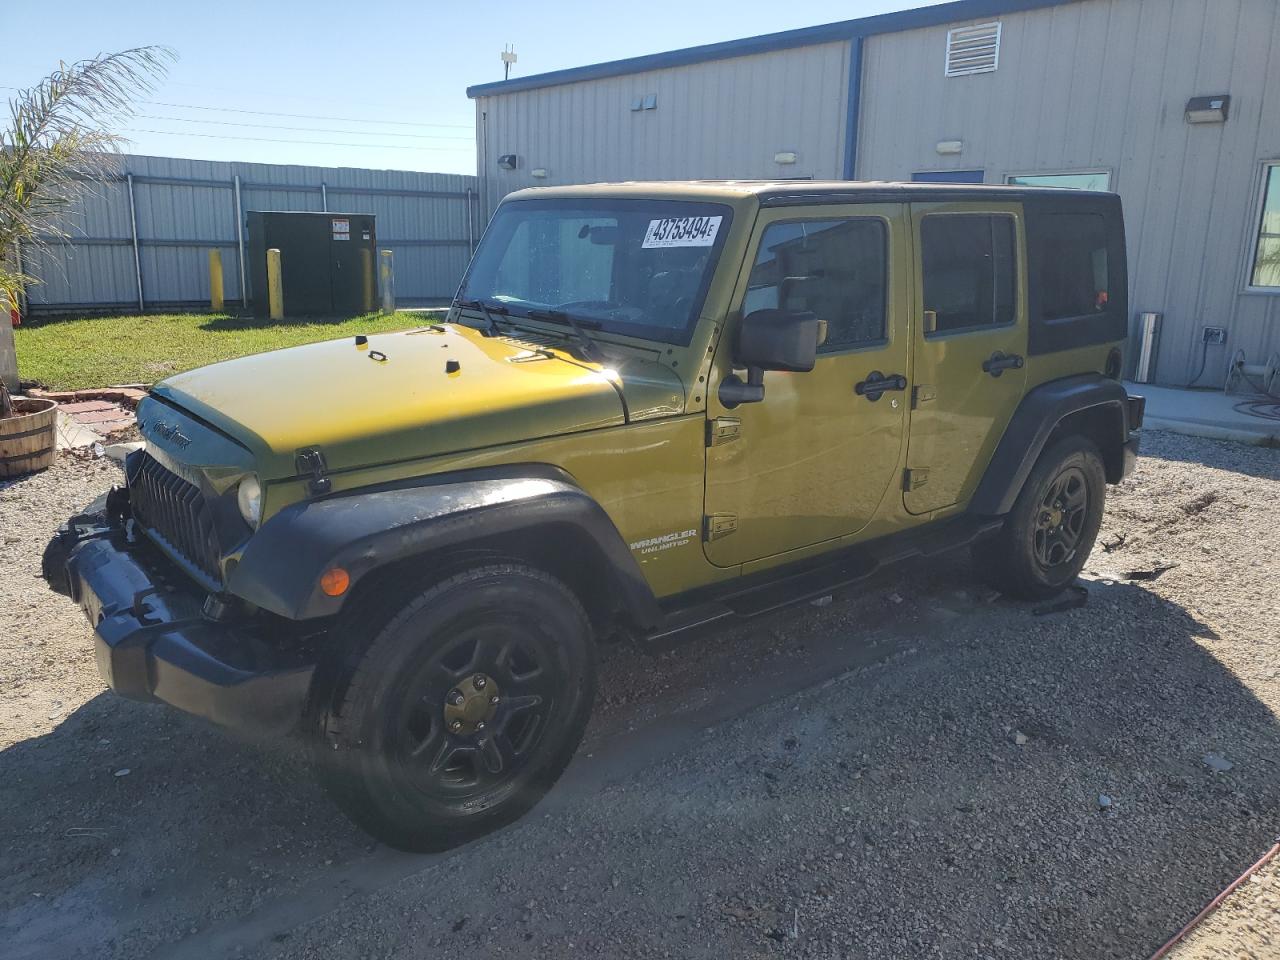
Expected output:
(309, 462)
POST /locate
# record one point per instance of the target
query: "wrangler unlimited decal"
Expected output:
(664, 542)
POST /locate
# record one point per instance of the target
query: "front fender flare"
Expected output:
(365, 530)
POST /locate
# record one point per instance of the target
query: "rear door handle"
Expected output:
(877, 383)
(999, 362)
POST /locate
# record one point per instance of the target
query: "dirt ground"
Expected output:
(917, 769)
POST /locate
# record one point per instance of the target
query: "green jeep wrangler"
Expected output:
(650, 407)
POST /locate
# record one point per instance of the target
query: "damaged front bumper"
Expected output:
(154, 642)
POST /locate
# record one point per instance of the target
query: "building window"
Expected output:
(834, 268)
(973, 49)
(1082, 180)
(1073, 265)
(1266, 250)
(948, 176)
(967, 266)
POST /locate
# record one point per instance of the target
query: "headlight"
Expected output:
(249, 497)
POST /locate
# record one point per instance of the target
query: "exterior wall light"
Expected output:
(539, 172)
(1208, 109)
(787, 156)
(508, 161)
(950, 148)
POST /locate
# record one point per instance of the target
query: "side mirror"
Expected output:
(771, 340)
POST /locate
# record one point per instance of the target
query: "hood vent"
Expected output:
(534, 345)
(533, 341)
(973, 49)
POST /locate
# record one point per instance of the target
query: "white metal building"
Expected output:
(1174, 104)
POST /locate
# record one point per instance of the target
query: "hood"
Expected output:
(402, 396)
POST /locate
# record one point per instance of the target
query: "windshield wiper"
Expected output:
(589, 347)
(487, 310)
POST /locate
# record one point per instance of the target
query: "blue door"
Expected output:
(948, 176)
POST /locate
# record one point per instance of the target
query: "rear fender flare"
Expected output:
(1041, 412)
(366, 530)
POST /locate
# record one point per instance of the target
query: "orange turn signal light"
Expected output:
(334, 581)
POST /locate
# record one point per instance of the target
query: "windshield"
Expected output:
(635, 267)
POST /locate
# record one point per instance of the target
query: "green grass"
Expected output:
(76, 353)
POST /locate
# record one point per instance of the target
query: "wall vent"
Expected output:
(973, 49)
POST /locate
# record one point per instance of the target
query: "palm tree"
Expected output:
(59, 143)
(1266, 271)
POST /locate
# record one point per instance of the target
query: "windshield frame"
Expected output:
(664, 207)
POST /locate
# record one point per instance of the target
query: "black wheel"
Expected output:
(1050, 532)
(462, 711)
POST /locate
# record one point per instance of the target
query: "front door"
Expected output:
(969, 346)
(814, 459)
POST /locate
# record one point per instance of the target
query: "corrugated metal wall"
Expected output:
(1103, 84)
(722, 119)
(185, 207)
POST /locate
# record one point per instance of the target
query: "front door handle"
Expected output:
(877, 383)
(1000, 361)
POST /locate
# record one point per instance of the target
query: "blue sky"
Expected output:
(333, 68)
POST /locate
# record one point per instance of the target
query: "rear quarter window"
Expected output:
(1078, 279)
(1074, 275)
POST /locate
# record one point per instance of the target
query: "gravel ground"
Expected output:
(918, 769)
(1246, 925)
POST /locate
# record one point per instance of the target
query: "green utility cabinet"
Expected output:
(327, 261)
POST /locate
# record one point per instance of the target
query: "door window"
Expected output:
(967, 263)
(834, 268)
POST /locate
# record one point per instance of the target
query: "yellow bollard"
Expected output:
(275, 292)
(366, 264)
(215, 281)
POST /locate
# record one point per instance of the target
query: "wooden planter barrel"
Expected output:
(29, 441)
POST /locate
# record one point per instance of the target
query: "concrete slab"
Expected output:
(73, 435)
(1207, 413)
(118, 451)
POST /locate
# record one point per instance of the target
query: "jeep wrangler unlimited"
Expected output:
(650, 407)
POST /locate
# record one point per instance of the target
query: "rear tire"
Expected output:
(463, 710)
(1048, 535)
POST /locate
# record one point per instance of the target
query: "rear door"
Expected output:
(969, 345)
(814, 459)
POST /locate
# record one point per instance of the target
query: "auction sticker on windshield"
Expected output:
(681, 232)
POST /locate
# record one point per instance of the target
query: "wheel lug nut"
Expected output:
(456, 726)
(479, 682)
(455, 697)
(480, 725)
(494, 699)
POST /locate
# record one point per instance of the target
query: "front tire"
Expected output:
(462, 711)
(1048, 535)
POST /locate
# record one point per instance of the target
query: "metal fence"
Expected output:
(141, 240)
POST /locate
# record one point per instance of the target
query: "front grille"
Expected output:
(175, 512)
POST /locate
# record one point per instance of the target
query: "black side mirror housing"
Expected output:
(771, 340)
(779, 340)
